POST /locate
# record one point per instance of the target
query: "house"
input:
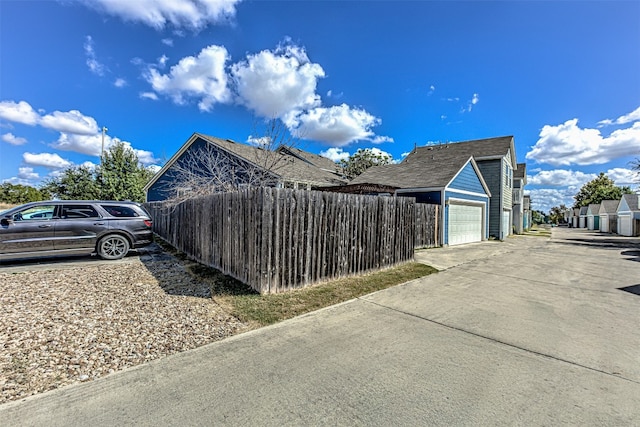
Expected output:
(239, 163)
(496, 159)
(582, 217)
(519, 181)
(574, 216)
(443, 176)
(628, 212)
(608, 216)
(593, 216)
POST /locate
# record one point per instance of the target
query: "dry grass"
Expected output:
(5, 206)
(260, 310)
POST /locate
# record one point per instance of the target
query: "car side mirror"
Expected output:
(5, 222)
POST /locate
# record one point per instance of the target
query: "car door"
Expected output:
(78, 228)
(29, 232)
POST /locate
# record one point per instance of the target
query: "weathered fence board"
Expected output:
(279, 239)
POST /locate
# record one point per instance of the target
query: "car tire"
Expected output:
(113, 246)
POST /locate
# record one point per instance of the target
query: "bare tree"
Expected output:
(213, 169)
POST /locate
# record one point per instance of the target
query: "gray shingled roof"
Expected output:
(298, 165)
(480, 149)
(302, 166)
(434, 170)
(593, 208)
(520, 172)
(632, 201)
(609, 206)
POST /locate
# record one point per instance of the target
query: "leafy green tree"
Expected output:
(599, 189)
(75, 183)
(538, 217)
(121, 176)
(556, 214)
(17, 194)
(362, 160)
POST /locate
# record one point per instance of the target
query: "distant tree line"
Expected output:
(119, 177)
(594, 192)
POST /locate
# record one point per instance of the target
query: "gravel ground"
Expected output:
(65, 325)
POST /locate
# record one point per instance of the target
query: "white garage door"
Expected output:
(624, 225)
(465, 224)
(506, 224)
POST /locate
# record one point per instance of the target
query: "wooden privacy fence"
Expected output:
(427, 230)
(279, 239)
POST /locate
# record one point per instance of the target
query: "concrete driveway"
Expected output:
(531, 331)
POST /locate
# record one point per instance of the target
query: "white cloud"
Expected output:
(193, 14)
(339, 125)
(71, 122)
(48, 160)
(259, 141)
(20, 112)
(560, 178)
(13, 140)
(202, 77)
(432, 89)
(167, 41)
(622, 176)
(627, 118)
(120, 82)
(568, 144)
(335, 153)
(144, 157)
(162, 61)
(28, 174)
(475, 99)
(92, 62)
(149, 95)
(91, 145)
(381, 139)
(277, 83)
(546, 198)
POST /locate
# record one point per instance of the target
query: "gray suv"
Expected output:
(73, 227)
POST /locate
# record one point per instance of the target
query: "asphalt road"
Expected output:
(532, 331)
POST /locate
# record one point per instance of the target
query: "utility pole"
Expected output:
(104, 129)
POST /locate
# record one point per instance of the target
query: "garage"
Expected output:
(465, 223)
(625, 225)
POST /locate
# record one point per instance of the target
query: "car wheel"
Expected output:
(113, 246)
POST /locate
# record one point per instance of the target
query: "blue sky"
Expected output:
(561, 77)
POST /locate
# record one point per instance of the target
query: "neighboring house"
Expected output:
(496, 159)
(527, 214)
(628, 215)
(519, 181)
(593, 216)
(582, 219)
(608, 216)
(575, 217)
(443, 176)
(287, 167)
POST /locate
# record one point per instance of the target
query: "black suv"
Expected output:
(73, 227)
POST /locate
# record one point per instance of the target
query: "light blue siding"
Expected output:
(467, 180)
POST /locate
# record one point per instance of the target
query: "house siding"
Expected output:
(492, 173)
(467, 180)
(162, 188)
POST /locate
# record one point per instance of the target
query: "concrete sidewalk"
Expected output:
(543, 331)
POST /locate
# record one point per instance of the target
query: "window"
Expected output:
(78, 211)
(508, 176)
(120, 211)
(36, 213)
